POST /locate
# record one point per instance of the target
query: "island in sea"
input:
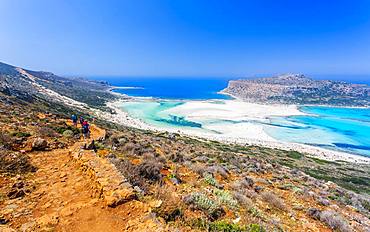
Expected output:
(175, 173)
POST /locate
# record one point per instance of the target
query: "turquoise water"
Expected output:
(154, 113)
(344, 129)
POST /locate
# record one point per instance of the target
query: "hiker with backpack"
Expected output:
(81, 120)
(74, 119)
(86, 130)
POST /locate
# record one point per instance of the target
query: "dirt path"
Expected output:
(63, 199)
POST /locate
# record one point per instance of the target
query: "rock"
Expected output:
(258, 189)
(68, 133)
(16, 193)
(39, 144)
(174, 181)
(172, 136)
(91, 146)
(18, 185)
(3, 221)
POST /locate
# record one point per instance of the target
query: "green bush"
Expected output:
(208, 178)
(21, 134)
(222, 226)
(224, 197)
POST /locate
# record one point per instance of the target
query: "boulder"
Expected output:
(39, 144)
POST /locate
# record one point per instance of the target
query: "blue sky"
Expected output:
(186, 38)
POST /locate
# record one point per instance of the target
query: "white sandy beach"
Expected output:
(246, 133)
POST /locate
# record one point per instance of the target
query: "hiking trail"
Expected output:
(64, 198)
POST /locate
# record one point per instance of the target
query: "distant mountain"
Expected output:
(299, 89)
(30, 86)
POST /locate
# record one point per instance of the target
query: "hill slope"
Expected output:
(31, 85)
(299, 89)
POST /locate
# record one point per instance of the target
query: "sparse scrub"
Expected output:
(150, 169)
(224, 226)
(15, 163)
(208, 178)
(48, 132)
(294, 155)
(273, 200)
(204, 203)
(243, 200)
(21, 134)
(224, 197)
(330, 218)
(171, 207)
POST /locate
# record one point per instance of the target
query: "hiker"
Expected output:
(81, 120)
(74, 120)
(86, 130)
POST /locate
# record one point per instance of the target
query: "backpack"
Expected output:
(85, 128)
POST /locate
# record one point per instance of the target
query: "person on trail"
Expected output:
(81, 120)
(86, 130)
(74, 120)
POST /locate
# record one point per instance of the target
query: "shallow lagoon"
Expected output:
(344, 129)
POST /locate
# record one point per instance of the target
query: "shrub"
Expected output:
(202, 202)
(219, 170)
(47, 132)
(171, 207)
(15, 163)
(68, 133)
(255, 228)
(150, 169)
(330, 218)
(131, 173)
(21, 134)
(177, 157)
(208, 178)
(223, 226)
(294, 155)
(334, 221)
(273, 200)
(6, 140)
(61, 129)
(224, 197)
(243, 200)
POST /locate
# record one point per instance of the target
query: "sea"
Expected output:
(341, 129)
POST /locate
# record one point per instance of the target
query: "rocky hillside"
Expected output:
(299, 89)
(32, 85)
(124, 179)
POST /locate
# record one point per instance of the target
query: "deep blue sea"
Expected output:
(344, 129)
(172, 88)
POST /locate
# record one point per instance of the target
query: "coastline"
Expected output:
(123, 118)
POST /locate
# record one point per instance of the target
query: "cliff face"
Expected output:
(299, 89)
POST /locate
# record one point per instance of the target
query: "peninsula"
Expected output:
(299, 89)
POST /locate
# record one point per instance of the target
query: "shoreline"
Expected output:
(123, 118)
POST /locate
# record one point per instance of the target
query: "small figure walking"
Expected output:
(86, 130)
(81, 120)
(74, 119)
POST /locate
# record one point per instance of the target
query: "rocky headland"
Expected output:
(299, 89)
